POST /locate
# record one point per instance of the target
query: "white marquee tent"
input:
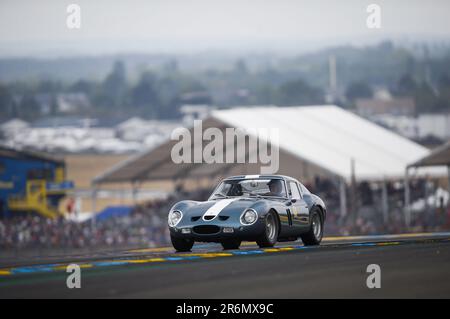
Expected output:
(331, 138)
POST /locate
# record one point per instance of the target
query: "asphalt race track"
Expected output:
(412, 266)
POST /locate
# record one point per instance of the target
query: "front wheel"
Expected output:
(270, 236)
(314, 235)
(182, 244)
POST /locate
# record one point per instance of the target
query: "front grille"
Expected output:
(206, 229)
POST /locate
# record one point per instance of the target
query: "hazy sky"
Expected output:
(38, 27)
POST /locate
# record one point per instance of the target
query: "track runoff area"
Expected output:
(410, 265)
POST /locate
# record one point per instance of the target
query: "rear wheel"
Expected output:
(315, 233)
(270, 236)
(231, 244)
(182, 244)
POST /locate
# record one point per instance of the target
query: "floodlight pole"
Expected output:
(134, 191)
(448, 185)
(343, 197)
(94, 205)
(407, 208)
(385, 203)
(353, 192)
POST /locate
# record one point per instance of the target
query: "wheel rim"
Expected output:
(271, 227)
(317, 226)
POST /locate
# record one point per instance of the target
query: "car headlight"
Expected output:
(249, 216)
(174, 218)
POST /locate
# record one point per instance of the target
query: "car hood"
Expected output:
(226, 206)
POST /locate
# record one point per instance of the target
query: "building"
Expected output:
(68, 103)
(64, 103)
(419, 128)
(404, 106)
(13, 126)
(31, 183)
(437, 125)
(194, 112)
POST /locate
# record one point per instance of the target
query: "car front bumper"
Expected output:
(216, 232)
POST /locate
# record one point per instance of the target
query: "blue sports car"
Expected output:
(261, 208)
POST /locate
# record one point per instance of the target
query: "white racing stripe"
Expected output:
(215, 209)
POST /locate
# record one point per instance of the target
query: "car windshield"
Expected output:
(274, 187)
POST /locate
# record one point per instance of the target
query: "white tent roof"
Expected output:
(331, 137)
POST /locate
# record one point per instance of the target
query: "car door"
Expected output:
(299, 208)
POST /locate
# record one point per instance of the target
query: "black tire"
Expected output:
(231, 244)
(272, 229)
(182, 244)
(314, 236)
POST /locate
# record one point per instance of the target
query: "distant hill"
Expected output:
(380, 64)
(70, 69)
(97, 67)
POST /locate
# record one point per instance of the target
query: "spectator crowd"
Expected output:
(144, 226)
